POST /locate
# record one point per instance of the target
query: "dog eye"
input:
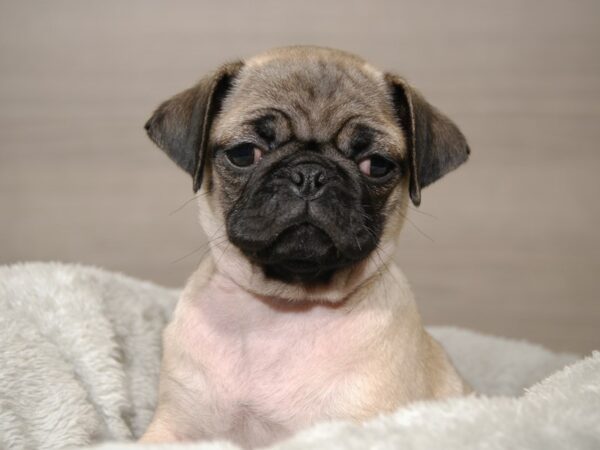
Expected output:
(376, 166)
(244, 155)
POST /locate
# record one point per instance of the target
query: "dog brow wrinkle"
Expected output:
(265, 127)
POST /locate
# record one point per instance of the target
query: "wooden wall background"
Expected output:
(508, 244)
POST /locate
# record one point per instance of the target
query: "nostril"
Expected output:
(319, 179)
(297, 178)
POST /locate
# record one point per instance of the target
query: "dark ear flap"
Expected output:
(180, 126)
(435, 144)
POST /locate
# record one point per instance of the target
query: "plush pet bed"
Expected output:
(80, 350)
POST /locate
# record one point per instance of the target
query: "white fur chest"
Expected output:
(256, 371)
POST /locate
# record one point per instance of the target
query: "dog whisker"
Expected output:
(421, 232)
(187, 202)
(417, 210)
(204, 246)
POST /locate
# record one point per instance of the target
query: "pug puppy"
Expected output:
(304, 159)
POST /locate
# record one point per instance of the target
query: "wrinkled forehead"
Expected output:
(317, 94)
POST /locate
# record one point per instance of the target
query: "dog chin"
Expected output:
(303, 254)
(229, 260)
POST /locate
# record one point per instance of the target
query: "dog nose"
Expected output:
(308, 179)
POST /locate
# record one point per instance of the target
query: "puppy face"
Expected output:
(308, 155)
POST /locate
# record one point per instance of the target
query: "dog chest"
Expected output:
(268, 370)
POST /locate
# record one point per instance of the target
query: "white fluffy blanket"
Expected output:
(80, 350)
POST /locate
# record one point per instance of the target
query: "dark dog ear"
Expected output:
(435, 144)
(180, 126)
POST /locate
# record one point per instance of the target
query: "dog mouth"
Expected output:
(301, 253)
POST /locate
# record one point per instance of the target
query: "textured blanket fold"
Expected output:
(80, 352)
